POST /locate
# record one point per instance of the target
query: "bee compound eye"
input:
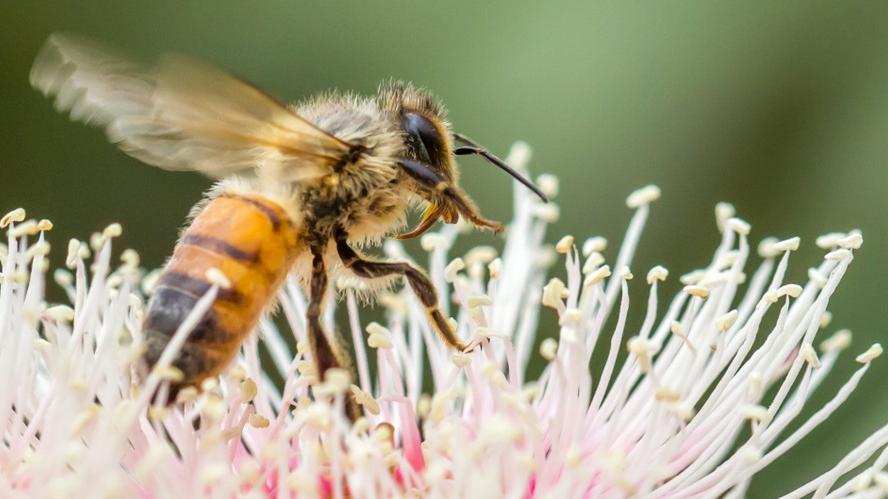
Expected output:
(423, 137)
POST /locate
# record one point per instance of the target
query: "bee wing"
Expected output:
(181, 114)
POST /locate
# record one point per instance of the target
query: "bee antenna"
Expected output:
(472, 147)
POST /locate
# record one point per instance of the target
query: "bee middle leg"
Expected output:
(326, 354)
(418, 281)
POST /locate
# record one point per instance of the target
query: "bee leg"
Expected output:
(326, 355)
(419, 283)
(429, 179)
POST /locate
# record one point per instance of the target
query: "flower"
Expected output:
(703, 401)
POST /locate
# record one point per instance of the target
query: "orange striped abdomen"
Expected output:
(252, 241)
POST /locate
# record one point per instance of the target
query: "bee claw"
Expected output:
(468, 347)
(494, 227)
(429, 217)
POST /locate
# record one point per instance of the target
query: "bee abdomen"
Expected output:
(169, 307)
(251, 240)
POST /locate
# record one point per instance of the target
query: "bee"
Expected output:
(298, 188)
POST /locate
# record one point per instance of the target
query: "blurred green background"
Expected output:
(781, 109)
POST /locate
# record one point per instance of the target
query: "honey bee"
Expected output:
(299, 188)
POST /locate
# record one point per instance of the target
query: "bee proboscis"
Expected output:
(298, 188)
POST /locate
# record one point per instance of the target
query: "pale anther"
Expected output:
(692, 277)
(593, 261)
(810, 355)
(259, 421)
(519, 155)
(248, 390)
(480, 255)
(816, 277)
(130, 257)
(594, 244)
(851, 241)
(725, 322)
(658, 273)
(433, 241)
(545, 257)
(486, 333)
(218, 278)
(839, 255)
(646, 195)
(564, 244)
(14, 216)
(548, 183)
(870, 354)
(28, 228)
(571, 316)
(476, 301)
(791, 290)
(460, 359)
(751, 454)
(169, 373)
(73, 250)
(625, 273)
(767, 249)
(698, 291)
(840, 340)
(553, 293)
(739, 226)
(830, 240)
(597, 276)
(548, 213)
(112, 230)
(380, 337)
(723, 212)
(666, 394)
(548, 348)
(60, 313)
(339, 377)
(754, 412)
(825, 319)
(453, 268)
(756, 386)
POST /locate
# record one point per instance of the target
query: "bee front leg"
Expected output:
(326, 355)
(418, 281)
(426, 176)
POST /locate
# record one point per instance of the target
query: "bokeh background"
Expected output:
(780, 108)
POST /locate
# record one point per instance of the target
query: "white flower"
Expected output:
(666, 422)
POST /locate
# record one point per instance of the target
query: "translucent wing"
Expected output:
(181, 114)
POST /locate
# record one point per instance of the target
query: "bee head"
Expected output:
(429, 140)
(423, 122)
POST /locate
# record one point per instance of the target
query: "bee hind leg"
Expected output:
(325, 354)
(419, 283)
